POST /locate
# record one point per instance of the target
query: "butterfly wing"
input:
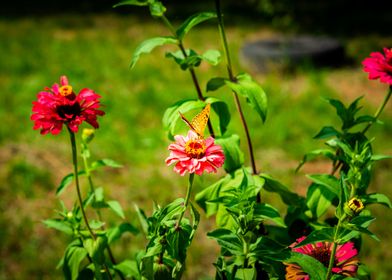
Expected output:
(199, 122)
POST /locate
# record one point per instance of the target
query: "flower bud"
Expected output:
(88, 135)
(353, 207)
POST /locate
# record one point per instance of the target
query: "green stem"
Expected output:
(333, 250)
(233, 79)
(188, 195)
(92, 189)
(191, 70)
(75, 164)
(379, 110)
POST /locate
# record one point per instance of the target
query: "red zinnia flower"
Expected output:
(346, 261)
(60, 105)
(379, 65)
(195, 154)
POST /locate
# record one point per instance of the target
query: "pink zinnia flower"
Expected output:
(60, 105)
(194, 154)
(346, 261)
(379, 66)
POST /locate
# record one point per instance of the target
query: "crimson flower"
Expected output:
(345, 263)
(194, 154)
(379, 66)
(60, 105)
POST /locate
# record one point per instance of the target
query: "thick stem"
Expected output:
(187, 197)
(191, 70)
(233, 79)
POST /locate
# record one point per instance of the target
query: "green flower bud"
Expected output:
(88, 135)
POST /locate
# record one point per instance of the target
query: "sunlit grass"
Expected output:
(94, 51)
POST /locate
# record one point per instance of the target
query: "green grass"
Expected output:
(94, 51)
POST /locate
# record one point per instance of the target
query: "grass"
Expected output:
(94, 51)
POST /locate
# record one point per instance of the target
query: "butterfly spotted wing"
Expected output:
(199, 122)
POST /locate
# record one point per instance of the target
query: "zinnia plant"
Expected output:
(60, 105)
(345, 262)
(195, 155)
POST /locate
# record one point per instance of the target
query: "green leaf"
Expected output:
(94, 224)
(319, 199)
(215, 83)
(314, 154)
(222, 110)
(196, 220)
(234, 157)
(315, 269)
(192, 21)
(245, 274)
(252, 91)
(227, 240)
(171, 115)
(288, 197)
(210, 193)
(326, 132)
(66, 181)
(105, 162)
(376, 198)
(212, 57)
(72, 259)
(178, 240)
(324, 234)
(328, 181)
(132, 3)
(116, 232)
(142, 219)
(60, 225)
(128, 269)
(116, 207)
(148, 45)
(266, 211)
(157, 9)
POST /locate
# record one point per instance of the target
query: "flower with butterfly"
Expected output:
(194, 153)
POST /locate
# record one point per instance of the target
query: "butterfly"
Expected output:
(199, 122)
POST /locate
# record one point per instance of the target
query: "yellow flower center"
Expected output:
(356, 205)
(66, 90)
(195, 148)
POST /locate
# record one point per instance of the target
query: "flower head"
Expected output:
(60, 105)
(345, 263)
(379, 66)
(194, 154)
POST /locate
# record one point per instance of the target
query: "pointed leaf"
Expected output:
(376, 198)
(132, 3)
(150, 44)
(116, 207)
(215, 83)
(60, 225)
(234, 157)
(252, 91)
(192, 21)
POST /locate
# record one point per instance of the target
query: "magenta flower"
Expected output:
(194, 154)
(379, 66)
(346, 261)
(60, 105)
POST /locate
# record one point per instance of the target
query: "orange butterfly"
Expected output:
(199, 122)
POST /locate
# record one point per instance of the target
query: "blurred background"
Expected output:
(92, 44)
